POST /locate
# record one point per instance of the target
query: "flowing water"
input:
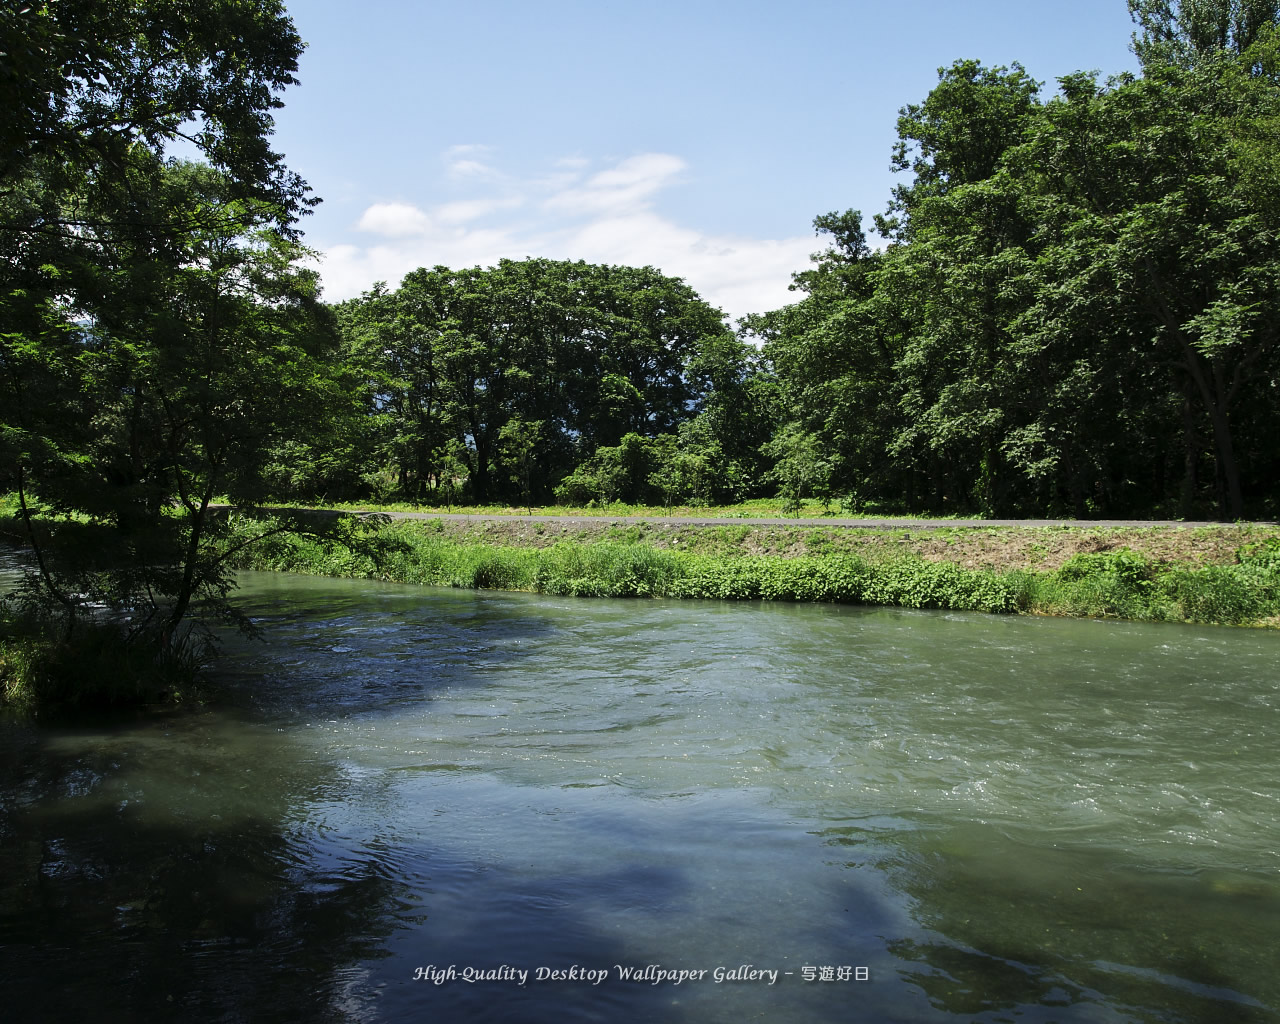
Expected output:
(408, 797)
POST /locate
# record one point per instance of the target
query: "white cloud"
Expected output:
(740, 275)
(610, 217)
(471, 169)
(472, 209)
(395, 220)
(464, 162)
(631, 184)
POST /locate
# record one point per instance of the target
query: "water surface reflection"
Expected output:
(998, 818)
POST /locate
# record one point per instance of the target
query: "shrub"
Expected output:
(100, 664)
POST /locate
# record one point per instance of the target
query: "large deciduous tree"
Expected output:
(1185, 32)
(156, 329)
(1077, 309)
(591, 353)
(1161, 256)
(82, 82)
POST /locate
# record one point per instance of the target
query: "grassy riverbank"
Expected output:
(1227, 575)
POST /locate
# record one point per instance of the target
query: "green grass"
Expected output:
(98, 666)
(1118, 584)
(1123, 584)
(613, 568)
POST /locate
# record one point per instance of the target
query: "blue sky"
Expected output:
(698, 137)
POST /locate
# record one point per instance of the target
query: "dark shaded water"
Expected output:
(995, 819)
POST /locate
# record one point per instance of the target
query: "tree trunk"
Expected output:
(1191, 460)
(183, 598)
(481, 486)
(1213, 394)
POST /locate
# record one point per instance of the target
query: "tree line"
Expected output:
(510, 383)
(1076, 312)
(1072, 312)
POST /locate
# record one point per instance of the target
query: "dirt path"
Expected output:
(990, 544)
(1042, 544)
(829, 521)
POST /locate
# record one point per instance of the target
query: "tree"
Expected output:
(799, 467)
(182, 381)
(891, 360)
(1184, 32)
(1156, 184)
(591, 352)
(956, 137)
(390, 344)
(451, 469)
(85, 81)
(622, 472)
(519, 441)
(833, 355)
(155, 325)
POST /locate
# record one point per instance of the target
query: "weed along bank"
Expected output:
(1209, 574)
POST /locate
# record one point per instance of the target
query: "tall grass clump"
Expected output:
(99, 664)
(907, 582)
(1119, 584)
(1123, 584)
(1233, 594)
(608, 569)
(402, 553)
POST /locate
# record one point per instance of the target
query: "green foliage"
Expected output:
(956, 137)
(519, 441)
(101, 664)
(620, 473)
(798, 467)
(605, 570)
(367, 548)
(688, 469)
(831, 360)
(451, 470)
(160, 342)
(1264, 555)
(1119, 584)
(1123, 584)
(626, 568)
(1184, 31)
(122, 430)
(1077, 314)
(592, 353)
(1222, 593)
(1134, 571)
(87, 82)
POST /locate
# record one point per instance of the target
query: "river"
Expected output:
(408, 797)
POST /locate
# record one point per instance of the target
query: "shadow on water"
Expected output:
(351, 647)
(122, 900)
(197, 865)
(401, 779)
(1006, 930)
